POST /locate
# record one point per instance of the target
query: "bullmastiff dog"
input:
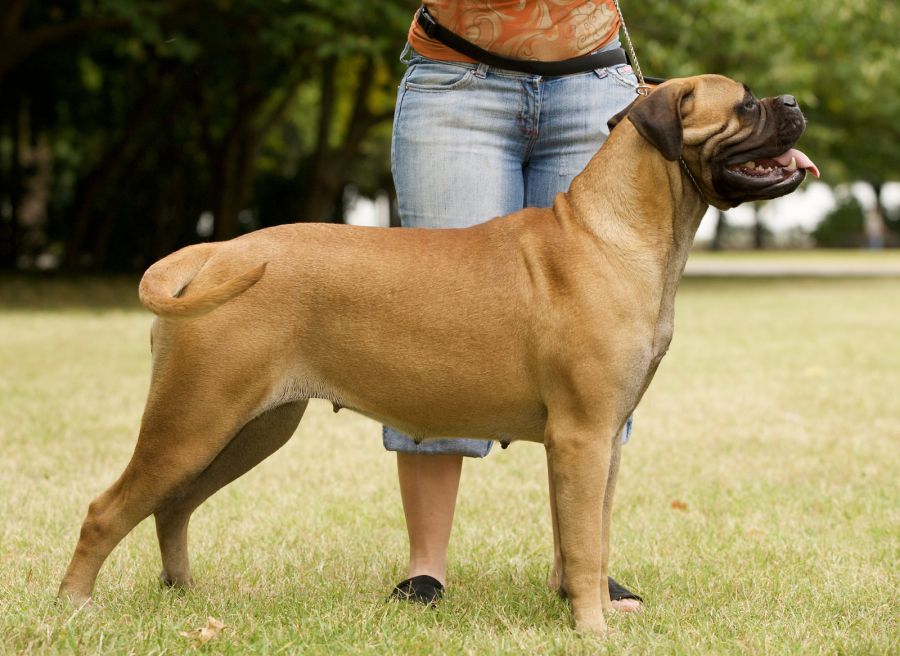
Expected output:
(546, 325)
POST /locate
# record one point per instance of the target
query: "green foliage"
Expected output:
(842, 227)
(839, 59)
(159, 111)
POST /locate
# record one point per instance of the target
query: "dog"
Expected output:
(546, 325)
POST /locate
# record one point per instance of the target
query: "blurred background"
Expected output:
(130, 128)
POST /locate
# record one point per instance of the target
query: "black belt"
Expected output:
(581, 64)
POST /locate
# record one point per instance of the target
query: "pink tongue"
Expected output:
(803, 162)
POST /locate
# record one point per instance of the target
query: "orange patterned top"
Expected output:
(543, 30)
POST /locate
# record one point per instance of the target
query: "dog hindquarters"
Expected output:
(256, 441)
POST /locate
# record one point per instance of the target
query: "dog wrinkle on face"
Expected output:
(712, 137)
(718, 95)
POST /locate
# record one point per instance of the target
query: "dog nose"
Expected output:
(788, 101)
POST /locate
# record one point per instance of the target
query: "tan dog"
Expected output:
(546, 325)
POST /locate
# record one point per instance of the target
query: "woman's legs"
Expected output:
(457, 160)
(428, 486)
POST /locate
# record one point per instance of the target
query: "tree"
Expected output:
(839, 59)
(123, 121)
(22, 33)
(843, 227)
(163, 110)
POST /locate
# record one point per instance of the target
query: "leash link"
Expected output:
(642, 88)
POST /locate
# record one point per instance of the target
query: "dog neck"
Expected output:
(652, 223)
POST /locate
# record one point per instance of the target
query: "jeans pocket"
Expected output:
(625, 76)
(431, 76)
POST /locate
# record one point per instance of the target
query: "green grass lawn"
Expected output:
(832, 255)
(774, 422)
(774, 263)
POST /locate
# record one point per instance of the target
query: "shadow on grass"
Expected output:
(40, 292)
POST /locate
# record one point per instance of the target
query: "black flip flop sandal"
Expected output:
(619, 592)
(422, 589)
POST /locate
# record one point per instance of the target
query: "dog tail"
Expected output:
(163, 283)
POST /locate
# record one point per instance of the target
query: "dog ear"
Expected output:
(658, 118)
(615, 120)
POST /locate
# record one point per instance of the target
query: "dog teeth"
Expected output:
(750, 165)
(792, 166)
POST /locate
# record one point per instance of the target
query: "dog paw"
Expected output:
(73, 599)
(591, 623)
(589, 616)
(175, 581)
(593, 628)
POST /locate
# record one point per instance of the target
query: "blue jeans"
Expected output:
(471, 142)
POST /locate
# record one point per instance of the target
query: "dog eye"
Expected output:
(750, 104)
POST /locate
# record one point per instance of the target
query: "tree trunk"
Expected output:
(759, 231)
(875, 219)
(235, 167)
(10, 230)
(319, 201)
(100, 178)
(331, 167)
(721, 228)
(234, 180)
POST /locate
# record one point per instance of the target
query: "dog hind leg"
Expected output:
(177, 441)
(256, 441)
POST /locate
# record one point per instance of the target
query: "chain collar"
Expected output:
(643, 89)
(693, 181)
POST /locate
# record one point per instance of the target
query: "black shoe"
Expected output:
(422, 589)
(618, 592)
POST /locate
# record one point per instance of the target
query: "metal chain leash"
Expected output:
(643, 88)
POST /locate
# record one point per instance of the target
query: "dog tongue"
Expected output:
(803, 162)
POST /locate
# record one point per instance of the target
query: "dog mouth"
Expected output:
(766, 171)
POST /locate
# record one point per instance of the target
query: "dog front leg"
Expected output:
(578, 459)
(606, 524)
(556, 581)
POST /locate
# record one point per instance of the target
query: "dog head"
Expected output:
(737, 148)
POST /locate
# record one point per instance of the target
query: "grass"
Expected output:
(774, 423)
(833, 255)
(774, 263)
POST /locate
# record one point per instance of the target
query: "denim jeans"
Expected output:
(471, 142)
